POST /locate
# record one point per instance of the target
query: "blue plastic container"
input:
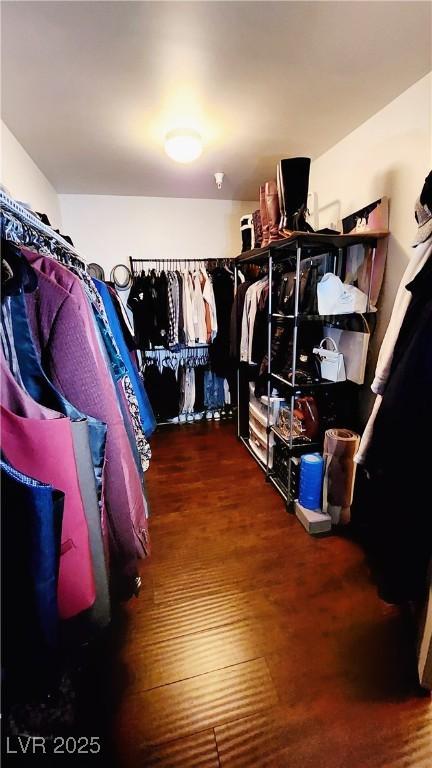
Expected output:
(311, 477)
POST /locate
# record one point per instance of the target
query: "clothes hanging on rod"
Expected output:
(75, 421)
(175, 382)
(21, 226)
(173, 303)
(251, 304)
(223, 287)
(181, 306)
(188, 356)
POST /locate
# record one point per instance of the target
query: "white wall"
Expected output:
(390, 154)
(21, 176)
(109, 229)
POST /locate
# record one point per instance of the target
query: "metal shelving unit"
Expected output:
(295, 250)
(295, 447)
(295, 385)
(279, 487)
(262, 464)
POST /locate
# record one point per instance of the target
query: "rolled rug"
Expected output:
(340, 447)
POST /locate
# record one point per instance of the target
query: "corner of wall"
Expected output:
(24, 180)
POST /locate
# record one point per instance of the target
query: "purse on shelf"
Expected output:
(353, 345)
(290, 428)
(285, 302)
(307, 412)
(309, 299)
(308, 303)
(304, 425)
(331, 360)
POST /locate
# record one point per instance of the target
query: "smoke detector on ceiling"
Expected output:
(219, 177)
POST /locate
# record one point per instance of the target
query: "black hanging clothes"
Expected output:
(148, 301)
(223, 288)
(236, 319)
(181, 329)
(137, 302)
(399, 501)
(163, 390)
(199, 388)
(152, 384)
(170, 394)
(260, 329)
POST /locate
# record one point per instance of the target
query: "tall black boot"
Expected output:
(247, 233)
(293, 179)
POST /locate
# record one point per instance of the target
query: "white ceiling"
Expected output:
(90, 88)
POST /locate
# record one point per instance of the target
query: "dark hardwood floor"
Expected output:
(253, 644)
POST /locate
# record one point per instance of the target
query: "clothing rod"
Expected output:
(180, 261)
(33, 221)
(197, 346)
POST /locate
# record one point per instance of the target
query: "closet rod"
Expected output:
(33, 221)
(137, 264)
(180, 261)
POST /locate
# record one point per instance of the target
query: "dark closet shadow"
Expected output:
(104, 681)
(380, 658)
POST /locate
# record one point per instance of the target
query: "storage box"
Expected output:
(258, 443)
(258, 422)
(261, 404)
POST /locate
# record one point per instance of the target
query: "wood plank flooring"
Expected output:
(253, 644)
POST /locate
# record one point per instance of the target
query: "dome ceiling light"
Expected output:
(183, 146)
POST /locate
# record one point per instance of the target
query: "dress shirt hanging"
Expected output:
(198, 309)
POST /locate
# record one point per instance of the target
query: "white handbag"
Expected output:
(354, 347)
(332, 361)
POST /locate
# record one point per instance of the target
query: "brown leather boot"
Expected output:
(257, 225)
(264, 218)
(273, 211)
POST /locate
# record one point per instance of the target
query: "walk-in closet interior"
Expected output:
(216, 373)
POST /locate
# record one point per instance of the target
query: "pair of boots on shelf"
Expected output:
(283, 203)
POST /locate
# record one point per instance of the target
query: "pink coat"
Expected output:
(38, 442)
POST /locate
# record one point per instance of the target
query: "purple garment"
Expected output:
(63, 327)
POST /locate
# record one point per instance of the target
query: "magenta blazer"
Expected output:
(64, 329)
(38, 442)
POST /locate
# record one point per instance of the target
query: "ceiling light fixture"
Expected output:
(183, 146)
